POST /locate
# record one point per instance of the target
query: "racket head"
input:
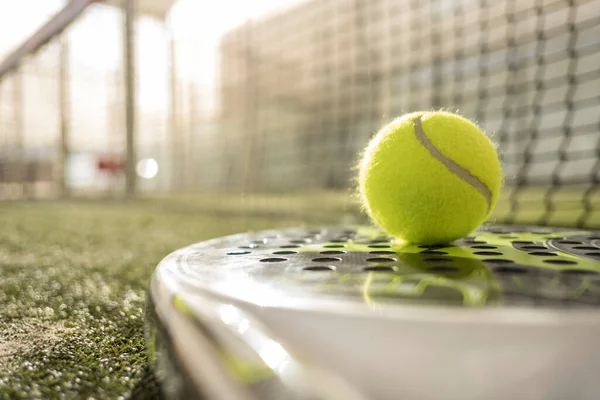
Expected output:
(497, 307)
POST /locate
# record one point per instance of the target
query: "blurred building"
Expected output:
(30, 101)
(303, 88)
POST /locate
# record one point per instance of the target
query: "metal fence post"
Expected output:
(130, 103)
(64, 110)
(19, 159)
(174, 109)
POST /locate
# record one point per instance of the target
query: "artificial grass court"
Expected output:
(74, 277)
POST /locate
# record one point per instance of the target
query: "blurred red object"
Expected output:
(111, 165)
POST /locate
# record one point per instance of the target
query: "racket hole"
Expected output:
(578, 272)
(334, 246)
(483, 246)
(381, 259)
(381, 252)
(534, 247)
(238, 253)
(569, 242)
(273, 260)
(327, 259)
(488, 253)
(290, 246)
(332, 252)
(285, 252)
(379, 246)
(433, 246)
(593, 254)
(498, 261)
(475, 242)
(562, 262)
(379, 268)
(320, 268)
(586, 248)
(523, 242)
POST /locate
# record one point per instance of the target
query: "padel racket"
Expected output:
(347, 313)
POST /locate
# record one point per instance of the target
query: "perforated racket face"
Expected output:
(477, 317)
(497, 266)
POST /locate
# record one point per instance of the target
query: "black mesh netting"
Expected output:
(303, 89)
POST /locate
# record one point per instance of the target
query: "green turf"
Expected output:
(74, 278)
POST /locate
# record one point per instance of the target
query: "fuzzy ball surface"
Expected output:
(430, 177)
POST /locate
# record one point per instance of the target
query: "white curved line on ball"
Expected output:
(456, 169)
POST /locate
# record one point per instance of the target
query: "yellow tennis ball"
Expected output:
(430, 177)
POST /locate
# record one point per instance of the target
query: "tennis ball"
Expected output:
(430, 177)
